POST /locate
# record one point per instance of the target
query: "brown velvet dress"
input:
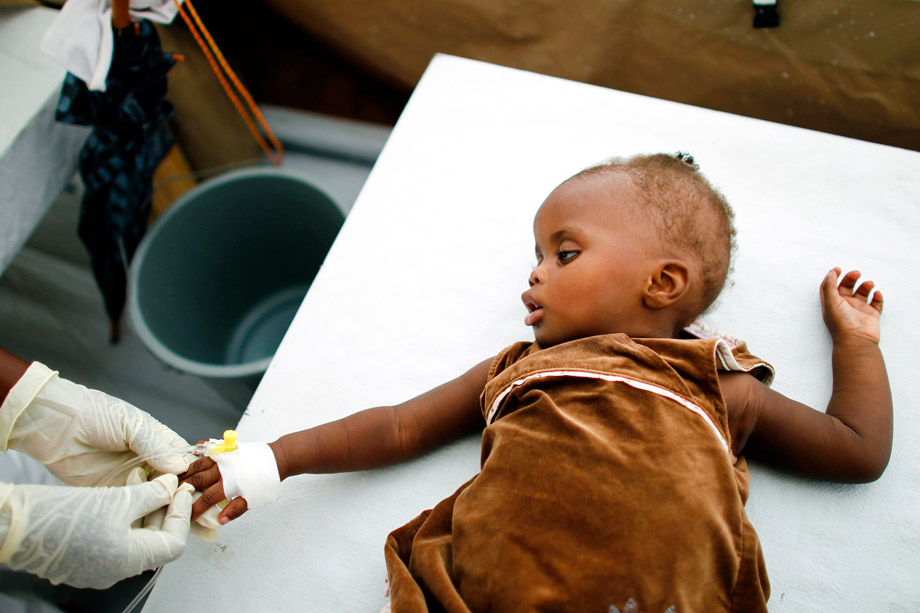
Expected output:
(607, 477)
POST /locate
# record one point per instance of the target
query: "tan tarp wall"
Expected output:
(206, 125)
(846, 67)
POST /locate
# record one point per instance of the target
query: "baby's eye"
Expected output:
(565, 256)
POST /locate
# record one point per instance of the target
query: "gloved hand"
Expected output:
(85, 437)
(204, 527)
(82, 536)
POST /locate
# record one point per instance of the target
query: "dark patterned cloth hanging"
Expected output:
(128, 141)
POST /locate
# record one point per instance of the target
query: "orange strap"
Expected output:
(121, 18)
(275, 152)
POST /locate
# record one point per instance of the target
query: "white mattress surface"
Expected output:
(424, 281)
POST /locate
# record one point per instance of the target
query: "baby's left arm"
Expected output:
(851, 441)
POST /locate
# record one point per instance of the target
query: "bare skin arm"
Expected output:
(851, 441)
(369, 439)
(11, 370)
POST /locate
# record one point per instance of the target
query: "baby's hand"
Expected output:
(204, 475)
(847, 308)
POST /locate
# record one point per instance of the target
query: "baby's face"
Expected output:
(593, 261)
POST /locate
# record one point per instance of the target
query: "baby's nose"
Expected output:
(535, 277)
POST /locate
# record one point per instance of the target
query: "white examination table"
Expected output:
(424, 281)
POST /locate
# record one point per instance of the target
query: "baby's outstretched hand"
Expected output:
(847, 308)
(204, 475)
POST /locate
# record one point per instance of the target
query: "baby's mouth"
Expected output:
(534, 310)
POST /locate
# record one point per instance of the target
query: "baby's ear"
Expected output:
(667, 284)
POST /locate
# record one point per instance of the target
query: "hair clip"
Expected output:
(687, 159)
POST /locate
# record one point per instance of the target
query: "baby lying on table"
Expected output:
(612, 473)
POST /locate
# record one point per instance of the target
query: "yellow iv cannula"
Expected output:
(211, 446)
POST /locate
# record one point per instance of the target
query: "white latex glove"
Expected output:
(85, 437)
(204, 528)
(82, 536)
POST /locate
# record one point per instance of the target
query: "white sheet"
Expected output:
(424, 281)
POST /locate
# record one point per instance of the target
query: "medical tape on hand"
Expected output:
(251, 472)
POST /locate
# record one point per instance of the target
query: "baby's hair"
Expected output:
(688, 212)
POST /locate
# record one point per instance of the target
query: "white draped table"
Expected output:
(424, 281)
(37, 154)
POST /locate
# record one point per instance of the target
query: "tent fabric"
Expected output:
(847, 68)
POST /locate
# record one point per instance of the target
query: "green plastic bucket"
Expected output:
(218, 278)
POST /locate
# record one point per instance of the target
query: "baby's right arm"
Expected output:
(369, 439)
(849, 442)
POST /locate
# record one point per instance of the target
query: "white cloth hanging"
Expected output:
(81, 39)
